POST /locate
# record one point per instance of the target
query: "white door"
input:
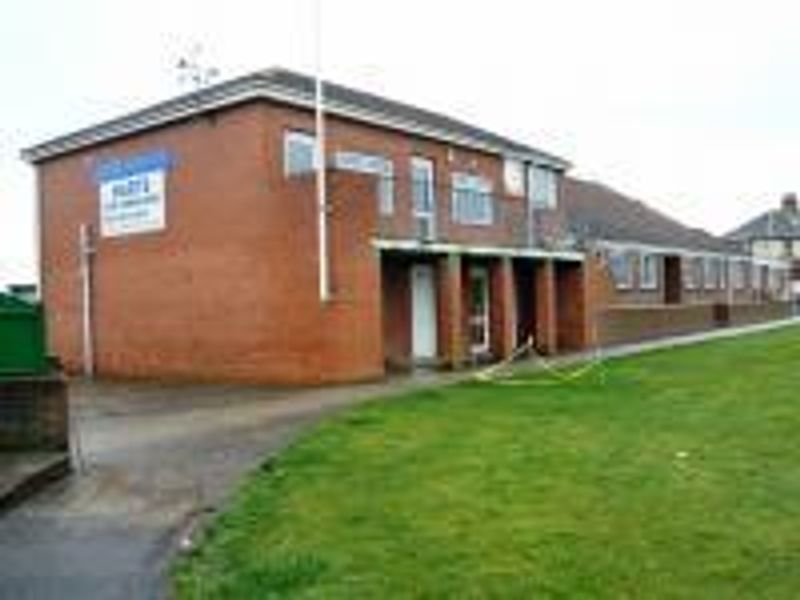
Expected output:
(423, 312)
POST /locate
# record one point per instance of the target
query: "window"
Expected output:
(771, 248)
(692, 273)
(542, 187)
(423, 191)
(711, 273)
(739, 270)
(621, 265)
(648, 271)
(472, 200)
(299, 152)
(514, 176)
(373, 165)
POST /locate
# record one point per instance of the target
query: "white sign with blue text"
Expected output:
(133, 195)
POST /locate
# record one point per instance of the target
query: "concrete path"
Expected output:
(156, 457)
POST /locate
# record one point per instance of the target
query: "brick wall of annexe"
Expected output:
(616, 319)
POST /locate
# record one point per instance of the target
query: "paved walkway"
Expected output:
(155, 458)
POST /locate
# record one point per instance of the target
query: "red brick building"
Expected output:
(446, 243)
(652, 276)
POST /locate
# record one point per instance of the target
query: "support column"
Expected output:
(546, 338)
(503, 311)
(451, 311)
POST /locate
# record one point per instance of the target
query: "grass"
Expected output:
(674, 474)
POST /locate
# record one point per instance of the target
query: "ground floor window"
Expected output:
(479, 310)
(620, 262)
(648, 271)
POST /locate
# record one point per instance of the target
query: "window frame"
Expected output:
(542, 178)
(629, 257)
(692, 279)
(291, 136)
(711, 274)
(480, 188)
(514, 177)
(653, 258)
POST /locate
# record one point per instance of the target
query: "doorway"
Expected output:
(423, 313)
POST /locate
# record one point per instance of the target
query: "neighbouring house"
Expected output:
(181, 241)
(651, 276)
(775, 235)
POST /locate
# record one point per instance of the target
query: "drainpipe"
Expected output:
(86, 251)
(322, 192)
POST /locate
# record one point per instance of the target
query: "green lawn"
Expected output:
(674, 474)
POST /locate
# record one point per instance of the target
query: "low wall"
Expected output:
(742, 314)
(33, 413)
(627, 324)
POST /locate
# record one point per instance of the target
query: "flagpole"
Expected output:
(322, 192)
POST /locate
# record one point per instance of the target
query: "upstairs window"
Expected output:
(372, 164)
(542, 187)
(423, 186)
(514, 177)
(472, 200)
(620, 263)
(299, 153)
(648, 271)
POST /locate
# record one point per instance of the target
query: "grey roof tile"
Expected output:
(597, 212)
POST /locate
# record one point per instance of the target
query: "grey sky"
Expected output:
(691, 106)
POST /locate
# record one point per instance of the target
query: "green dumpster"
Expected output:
(22, 337)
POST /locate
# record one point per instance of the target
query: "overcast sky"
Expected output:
(693, 106)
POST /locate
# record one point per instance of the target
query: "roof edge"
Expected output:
(257, 86)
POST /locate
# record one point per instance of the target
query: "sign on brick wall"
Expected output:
(133, 194)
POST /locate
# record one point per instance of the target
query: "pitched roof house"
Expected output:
(774, 234)
(655, 276)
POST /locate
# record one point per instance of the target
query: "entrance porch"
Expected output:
(448, 309)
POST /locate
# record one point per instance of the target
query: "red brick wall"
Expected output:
(229, 290)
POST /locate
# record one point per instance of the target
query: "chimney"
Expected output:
(789, 203)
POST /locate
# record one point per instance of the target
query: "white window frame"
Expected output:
(427, 213)
(293, 136)
(542, 187)
(514, 177)
(651, 282)
(711, 273)
(371, 164)
(692, 278)
(738, 274)
(468, 192)
(628, 256)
